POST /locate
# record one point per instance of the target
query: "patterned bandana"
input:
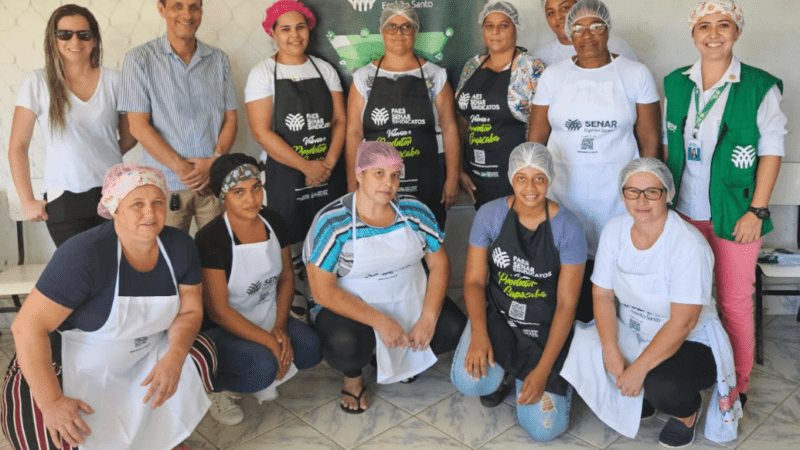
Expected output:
(242, 173)
(123, 178)
(707, 7)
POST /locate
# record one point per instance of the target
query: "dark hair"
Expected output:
(225, 165)
(164, 2)
(54, 66)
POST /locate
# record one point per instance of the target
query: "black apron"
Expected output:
(305, 110)
(521, 298)
(493, 131)
(400, 111)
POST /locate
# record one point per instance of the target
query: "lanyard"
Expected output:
(701, 115)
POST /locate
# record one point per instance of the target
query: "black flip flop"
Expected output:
(358, 400)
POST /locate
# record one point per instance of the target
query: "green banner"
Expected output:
(347, 33)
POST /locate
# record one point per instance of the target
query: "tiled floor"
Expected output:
(430, 414)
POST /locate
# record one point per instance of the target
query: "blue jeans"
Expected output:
(544, 421)
(244, 366)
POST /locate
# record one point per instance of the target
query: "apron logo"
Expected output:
(479, 104)
(362, 5)
(573, 125)
(463, 100)
(295, 122)
(500, 258)
(671, 127)
(517, 310)
(744, 157)
(254, 288)
(380, 116)
(138, 342)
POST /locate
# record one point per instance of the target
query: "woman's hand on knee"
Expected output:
(392, 334)
(614, 362)
(422, 333)
(63, 420)
(163, 379)
(478, 354)
(533, 387)
(286, 354)
(632, 379)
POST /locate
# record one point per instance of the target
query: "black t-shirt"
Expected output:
(214, 242)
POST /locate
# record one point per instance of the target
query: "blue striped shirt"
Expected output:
(329, 244)
(187, 103)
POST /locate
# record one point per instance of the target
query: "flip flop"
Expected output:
(358, 400)
(409, 380)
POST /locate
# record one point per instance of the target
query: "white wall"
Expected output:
(656, 30)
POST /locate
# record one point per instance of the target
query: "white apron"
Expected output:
(591, 140)
(105, 369)
(253, 288)
(387, 274)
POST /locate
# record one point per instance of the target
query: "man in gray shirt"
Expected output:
(181, 107)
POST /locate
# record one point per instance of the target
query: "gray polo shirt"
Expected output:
(187, 103)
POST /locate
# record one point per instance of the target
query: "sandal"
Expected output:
(358, 400)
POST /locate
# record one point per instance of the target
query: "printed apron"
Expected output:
(521, 293)
(387, 274)
(253, 288)
(493, 131)
(400, 111)
(105, 368)
(591, 141)
(306, 110)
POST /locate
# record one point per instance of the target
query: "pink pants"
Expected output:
(735, 271)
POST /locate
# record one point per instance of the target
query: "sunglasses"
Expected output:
(65, 35)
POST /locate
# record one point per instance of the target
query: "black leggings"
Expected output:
(585, 310)
(348, 345)
(674, 386)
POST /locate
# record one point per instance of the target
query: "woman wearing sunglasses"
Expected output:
(406, 101)
(75, 102)
(595, 112)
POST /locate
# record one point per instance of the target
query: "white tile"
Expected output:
(310, 389)
(647, 438)
(467, 420)
(584, 424)
(294, 435)
(412, 434)
(781, 359)
(258, 419)
(350, 430)
(790, 408)
(517, 438)
(774, 434)
(783, 328)
(197, 442)
(445, 363)
(767, 391)
(429, 388)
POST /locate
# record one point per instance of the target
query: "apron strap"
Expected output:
(400, 215)
(166, 259)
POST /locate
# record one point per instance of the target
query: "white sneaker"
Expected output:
(224, 410)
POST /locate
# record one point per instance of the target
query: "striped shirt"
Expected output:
(329, 244)
(187, 103)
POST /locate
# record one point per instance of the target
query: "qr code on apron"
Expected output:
(517, 311)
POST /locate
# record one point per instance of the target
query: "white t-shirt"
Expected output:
(260, 82)
(554, 51)
(677, 268)
(693, 199)
(77, 159)
(435, 79)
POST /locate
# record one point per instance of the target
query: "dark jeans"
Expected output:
(348, 345)
(674, 386)
(72, 214)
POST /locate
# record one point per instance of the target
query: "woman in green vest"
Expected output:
(724, 139)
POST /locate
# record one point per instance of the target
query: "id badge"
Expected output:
(693, 150)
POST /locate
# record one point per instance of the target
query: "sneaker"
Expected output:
(224, 410)
(677, 435)
(235, 396)
(647, 410)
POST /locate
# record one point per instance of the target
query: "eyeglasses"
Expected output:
(65, 35)
(405, 28)
(595, 29)
(651, 193)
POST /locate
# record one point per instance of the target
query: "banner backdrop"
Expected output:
(347, 33)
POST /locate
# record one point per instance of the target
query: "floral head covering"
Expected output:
(707, 7)
(229, 170)
(123, 178)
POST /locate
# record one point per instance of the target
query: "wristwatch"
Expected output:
(761, 213)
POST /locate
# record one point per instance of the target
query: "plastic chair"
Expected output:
(786, 192)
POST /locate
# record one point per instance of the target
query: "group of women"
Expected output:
(554, 237)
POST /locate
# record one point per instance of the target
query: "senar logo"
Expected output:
(500, 258)
(362, 5)
(573, 125)
(380, 116)
(743, 157)
(295, 122)
(463, 100)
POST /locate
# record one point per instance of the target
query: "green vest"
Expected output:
(735, 161)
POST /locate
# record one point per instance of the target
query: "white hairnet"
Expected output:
(502, 7)
(531, 154)
(648, 165)
(402, 8)
(587, 8)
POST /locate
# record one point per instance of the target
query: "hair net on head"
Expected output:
(587, 8)
(502, 7)
(372, 154)
(531, 154)
(280, 8)
(707, 7)
(649, 165)
(121, 179)
(402, 8)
